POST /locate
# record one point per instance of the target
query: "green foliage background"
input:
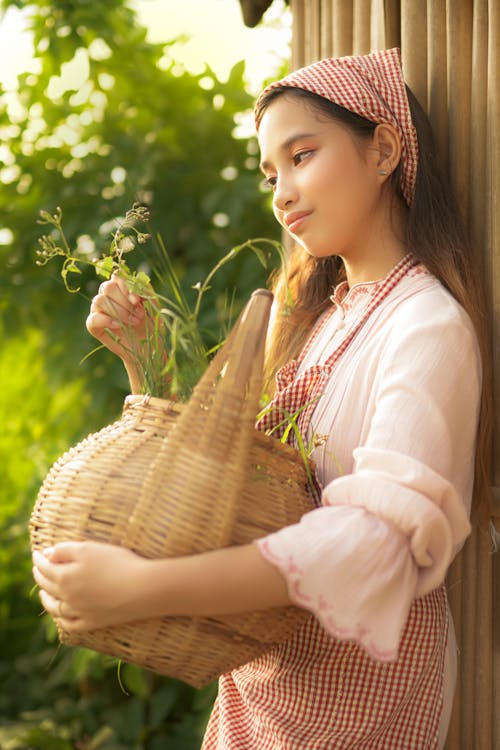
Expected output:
(139, 128)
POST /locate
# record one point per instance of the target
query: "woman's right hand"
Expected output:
(118, 320)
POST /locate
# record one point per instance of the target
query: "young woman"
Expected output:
(384, 347)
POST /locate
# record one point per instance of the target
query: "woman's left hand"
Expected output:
(89, 585)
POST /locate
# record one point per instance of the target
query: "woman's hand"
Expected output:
(117, 319)
(89, 585)
(120, 321)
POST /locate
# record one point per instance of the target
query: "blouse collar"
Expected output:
(358, 295)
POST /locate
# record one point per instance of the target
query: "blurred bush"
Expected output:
(135, 126)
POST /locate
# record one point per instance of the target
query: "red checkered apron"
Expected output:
(314, 691)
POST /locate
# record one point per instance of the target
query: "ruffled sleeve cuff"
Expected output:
(378, 542)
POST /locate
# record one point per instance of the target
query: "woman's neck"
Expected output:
(372, 268)
(379, 249)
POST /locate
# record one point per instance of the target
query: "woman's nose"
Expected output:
(284, 194)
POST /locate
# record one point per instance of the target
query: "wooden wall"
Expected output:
(451, 59)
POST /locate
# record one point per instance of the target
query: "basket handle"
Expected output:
(232, 383)
(204, 462)
(243, 351)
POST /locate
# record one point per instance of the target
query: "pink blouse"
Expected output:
(394, 436)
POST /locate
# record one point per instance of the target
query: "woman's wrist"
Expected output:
(135, 372)
(134, 375)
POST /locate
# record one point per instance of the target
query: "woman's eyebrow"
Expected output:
(286, 145)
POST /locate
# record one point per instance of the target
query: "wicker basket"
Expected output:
(169, 480)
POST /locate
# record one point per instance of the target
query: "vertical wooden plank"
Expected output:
(496, 644)
(361, 27)
(478, 145)
(312, 31)
(455, 597)
(377, 25)
(466, 62)
(481, 640)
(298, 34)
(437, 78)
(326, 29)
(493, 197)
(392, 23)
(466, 642)
(479, 211)
(414, 47)
(493, 275)
(459, 43)
(343, 14)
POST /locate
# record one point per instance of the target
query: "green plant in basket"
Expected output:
(171, 321)
(172, 352)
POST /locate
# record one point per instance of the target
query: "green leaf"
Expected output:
(162, 703)
(105, 267)
(134, 679)
(140, 284)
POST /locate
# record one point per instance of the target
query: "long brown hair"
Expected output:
(435, 234)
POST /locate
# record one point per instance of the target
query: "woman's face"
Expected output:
(325, 183)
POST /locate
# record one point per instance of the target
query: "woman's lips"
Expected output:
(295, 220)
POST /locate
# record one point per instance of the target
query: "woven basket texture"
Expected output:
(170, 479)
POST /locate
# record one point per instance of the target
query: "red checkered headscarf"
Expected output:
(373, 87)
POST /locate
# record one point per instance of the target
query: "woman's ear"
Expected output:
(387, 144)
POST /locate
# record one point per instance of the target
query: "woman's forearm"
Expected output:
(225, 581)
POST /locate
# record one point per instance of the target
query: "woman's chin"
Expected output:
(317, 251)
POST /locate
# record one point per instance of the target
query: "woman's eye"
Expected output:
(299, 157)
(269, 183)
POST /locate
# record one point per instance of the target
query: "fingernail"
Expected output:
(48, 551)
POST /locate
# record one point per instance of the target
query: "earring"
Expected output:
(382, 171)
